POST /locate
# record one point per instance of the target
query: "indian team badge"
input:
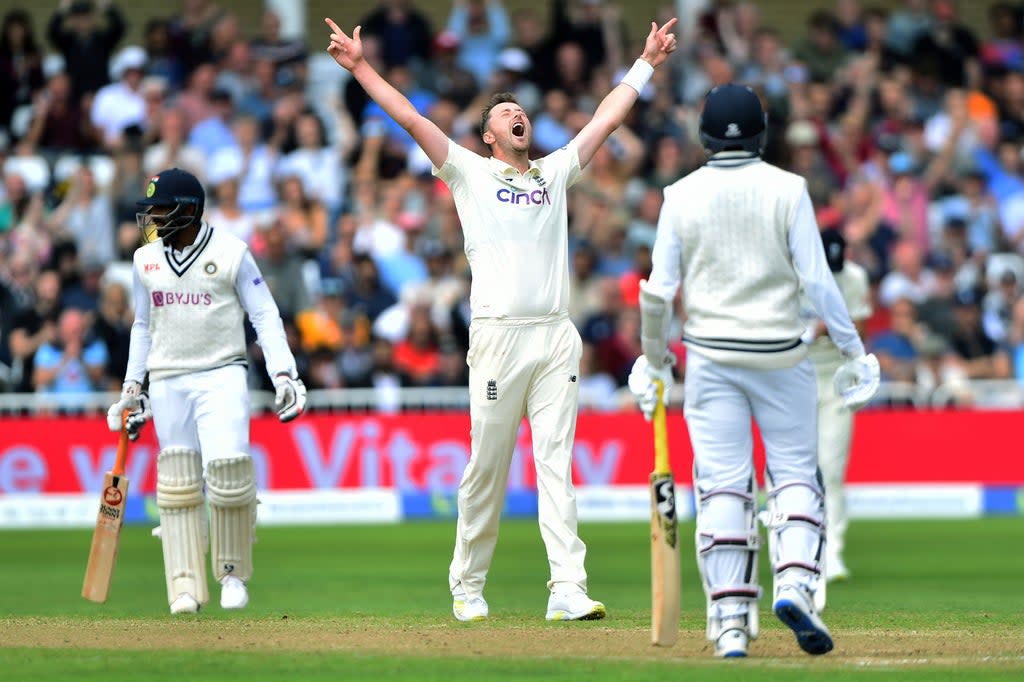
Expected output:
(210, 268)
(151, 187)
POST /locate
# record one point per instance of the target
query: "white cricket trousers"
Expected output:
(515, 369)
(720, 401)
(835, 427)
(205, 411)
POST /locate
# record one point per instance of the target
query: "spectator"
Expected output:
(318, 164)
(120, 105)
(173, 150)
(21, 64)
(909, 278)
(304, 217)
(482, 28)
(58, 124)
(213, 133)
(85, 44)
(225, 213)
(403, 32)
(897, 348)
(368, 295)
(979, 356)
(1003, 46)
(447, 78)
(72, 364)
(948, 49)
(87, 216)
(281, 266)
(822, 52)
(254, 162)
(196, 100)
(162, 61)
(113, 327)
(285, 55)
(34, 326)
(191, 32)
(417, 357)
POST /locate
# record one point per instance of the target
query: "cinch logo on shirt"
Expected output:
(536, 197)
(162, 298)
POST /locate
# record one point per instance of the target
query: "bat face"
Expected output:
(665, 586)
(105, 538)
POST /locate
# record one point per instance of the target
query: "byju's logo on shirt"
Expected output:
(163, 298)
(537, 197)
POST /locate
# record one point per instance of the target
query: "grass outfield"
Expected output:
(930, 600)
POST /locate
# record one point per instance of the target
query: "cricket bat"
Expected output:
(107, 535)
(664, 537)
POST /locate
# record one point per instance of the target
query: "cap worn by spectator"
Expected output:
(966, 297)
(446, 41)
(901, 163)
(514, 59)
(801, 134)
(942, 263)
(131, 57)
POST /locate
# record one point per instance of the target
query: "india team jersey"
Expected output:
(515, 227)
(195, 316)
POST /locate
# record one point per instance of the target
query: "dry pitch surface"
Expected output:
(948, 647)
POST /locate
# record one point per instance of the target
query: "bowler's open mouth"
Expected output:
(518, 129)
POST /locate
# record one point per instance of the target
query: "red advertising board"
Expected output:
(427, 452)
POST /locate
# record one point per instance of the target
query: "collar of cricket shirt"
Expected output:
(732, 159)
(180, 261)
(508, 171)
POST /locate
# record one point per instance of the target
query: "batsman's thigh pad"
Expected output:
(179, 497)
(795, 519)
(727, 545)
(231, 491)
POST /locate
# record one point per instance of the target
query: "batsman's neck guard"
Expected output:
(655, 319)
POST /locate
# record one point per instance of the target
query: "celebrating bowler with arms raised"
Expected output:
(192, 287)
(524, 352)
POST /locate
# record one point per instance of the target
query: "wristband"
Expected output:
(638, 75)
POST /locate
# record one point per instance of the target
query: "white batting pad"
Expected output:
(231, 491)
(179, 496)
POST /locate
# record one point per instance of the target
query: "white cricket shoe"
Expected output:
(793, 607)
(233, 593)
(468, 609)
(185, 603)
(573, 604)
(734, 640)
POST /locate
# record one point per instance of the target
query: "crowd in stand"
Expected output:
(907, 125)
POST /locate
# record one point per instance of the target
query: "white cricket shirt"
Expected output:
(740, 236)
(516, 229)
(190, 306)
(853, 284)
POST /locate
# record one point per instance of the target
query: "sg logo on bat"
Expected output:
(665, 492)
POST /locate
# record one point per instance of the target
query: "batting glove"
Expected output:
(291, 397)
(857, 381)
(129, 400)
(138, 417)
(641, 383)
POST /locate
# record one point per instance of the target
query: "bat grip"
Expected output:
(122, 446)
(661, 461)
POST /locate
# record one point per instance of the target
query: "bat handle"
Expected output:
(661, 461)
(122, 446)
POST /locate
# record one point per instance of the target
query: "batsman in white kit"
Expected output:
(524, 352)
(835, 421)
(741, 238)
(191, 288)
